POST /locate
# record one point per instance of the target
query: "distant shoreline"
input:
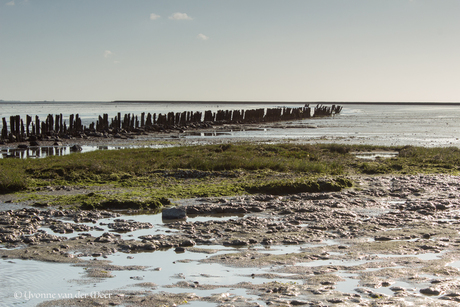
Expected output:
(414, 103)
(293, 102)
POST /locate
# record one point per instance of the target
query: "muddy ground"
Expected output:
(392, 230)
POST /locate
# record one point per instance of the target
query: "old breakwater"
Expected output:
(32, 128)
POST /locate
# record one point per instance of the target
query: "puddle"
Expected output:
(208, 134)
(333, 262)
(167, 268)
(28, 282)
(201, 304)
(350, 283)
(425, 257)
(375, 154)
(455, 264)
(12, 206)
(47, 151)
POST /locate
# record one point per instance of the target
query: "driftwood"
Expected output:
(56, 125)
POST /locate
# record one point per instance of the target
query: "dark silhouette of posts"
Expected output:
(56, 126)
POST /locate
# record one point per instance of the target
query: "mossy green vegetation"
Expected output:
(146, 178)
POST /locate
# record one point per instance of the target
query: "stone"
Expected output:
(431, 291)
(173, 213)
(179, 250)
(298, 303)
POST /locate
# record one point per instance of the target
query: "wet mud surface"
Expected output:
(387, 241)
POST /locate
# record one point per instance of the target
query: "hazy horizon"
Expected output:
(260, 50)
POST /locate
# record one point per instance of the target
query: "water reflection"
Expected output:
(47, 151)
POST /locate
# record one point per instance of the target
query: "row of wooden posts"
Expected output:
(55, 125)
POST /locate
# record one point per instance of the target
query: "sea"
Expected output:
(424, 124)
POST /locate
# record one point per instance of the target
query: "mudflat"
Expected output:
(398, 233)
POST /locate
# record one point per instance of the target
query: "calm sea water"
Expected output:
(423, 125)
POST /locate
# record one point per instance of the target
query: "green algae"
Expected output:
(211, 170)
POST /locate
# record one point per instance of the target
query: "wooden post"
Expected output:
(106, 121)
(50, 123)
(12, 125)
(118, 120)
(4, 129)
(60, 124)
(71, 124)
(78, 125)
(56, 124)
(176, 118)
(208, 116)
(149, 120)
(28, 121)
(22, 130)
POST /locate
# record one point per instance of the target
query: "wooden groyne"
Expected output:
(18, 130)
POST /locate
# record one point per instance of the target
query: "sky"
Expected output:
(232, 50)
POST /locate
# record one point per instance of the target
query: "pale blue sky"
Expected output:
(276, 50)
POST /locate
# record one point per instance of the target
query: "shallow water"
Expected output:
(389, 125)
(28, 282)
(375, 155)
(46, 151)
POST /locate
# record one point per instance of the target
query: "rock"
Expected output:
(187, 243)
(299, 303)
(386, 284)
(173, 214)
(236, 242)
(127, 226)
(179, 250)
(431, 291)
(384, 238)
(137, 277)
